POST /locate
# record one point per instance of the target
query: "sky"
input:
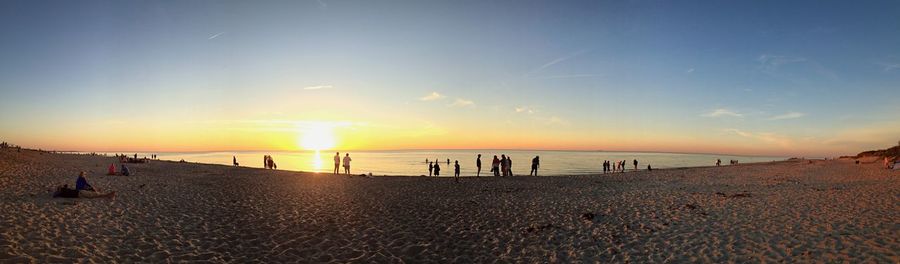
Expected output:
(788, 78)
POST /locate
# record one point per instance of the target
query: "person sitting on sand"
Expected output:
(437, 169)
(347, 163)
(125, 171)
(456, 170)
(112, 169)
(85, 190)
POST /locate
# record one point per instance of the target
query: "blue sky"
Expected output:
(752, 77)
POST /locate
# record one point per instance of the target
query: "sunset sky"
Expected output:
(755, 77)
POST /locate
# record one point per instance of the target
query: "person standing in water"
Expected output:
(535, 164)
(437, 169)
(337, 162)
(478, 164)
(430, 168)
(456, 170)
(635, 164)
(347, 163)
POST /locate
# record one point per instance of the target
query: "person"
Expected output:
(649, 168)
(635, 164)
(478, 165)
(456, 170)
(509, 165)
(274, 165)
(887, 164)
(495, 166)
(337, 162)
(125, 171)
(347, 163)
(112, 169)
(234, 160)
(448, 161)
(503, 165)
(718, 162)
(266, 161)
(85, 190)
(535, 163)
(271, 163)
(437, 169)
(430, 169)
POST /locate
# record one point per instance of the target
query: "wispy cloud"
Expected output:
(560, 59)
(767, 137)
(568, 76)
(771, 63)
(524, 109)
(317, 87)
(431, 97)
(322, 3)
(216, 35)
(462, 103)
(691, 70)
(889, 66)
(722, 112)
(789, 115)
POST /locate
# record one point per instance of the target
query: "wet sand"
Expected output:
(792, 211)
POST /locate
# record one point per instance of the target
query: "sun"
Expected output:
(316, 137)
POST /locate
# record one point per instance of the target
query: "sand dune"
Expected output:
(784, 212)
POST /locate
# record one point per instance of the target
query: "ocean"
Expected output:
(413, 162)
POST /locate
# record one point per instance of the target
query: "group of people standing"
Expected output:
(619, 166)
(337, 163)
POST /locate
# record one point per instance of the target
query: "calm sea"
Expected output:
(412, 162)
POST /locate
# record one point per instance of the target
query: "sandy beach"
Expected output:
(791, 211)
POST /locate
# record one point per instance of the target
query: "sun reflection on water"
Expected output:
(317, 161)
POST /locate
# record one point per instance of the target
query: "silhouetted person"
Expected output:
(437, 169)
(495, 166)
(347, 160)
(448, 161)
(456, 170)
(509, 166)
(649, 168)
(503, 164)
(718, 162)
(430, 169)
(234, 160)
(478, 164)
(265, 161)
(535, 164)
(635, 164)
(337, 162)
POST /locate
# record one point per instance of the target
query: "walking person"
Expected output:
(535, 164)
(337, 163)
(430, 168)
(478, 164)
(456, 170)
(509, 166)
(347, 160)
(718, 162)
(495, 166)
